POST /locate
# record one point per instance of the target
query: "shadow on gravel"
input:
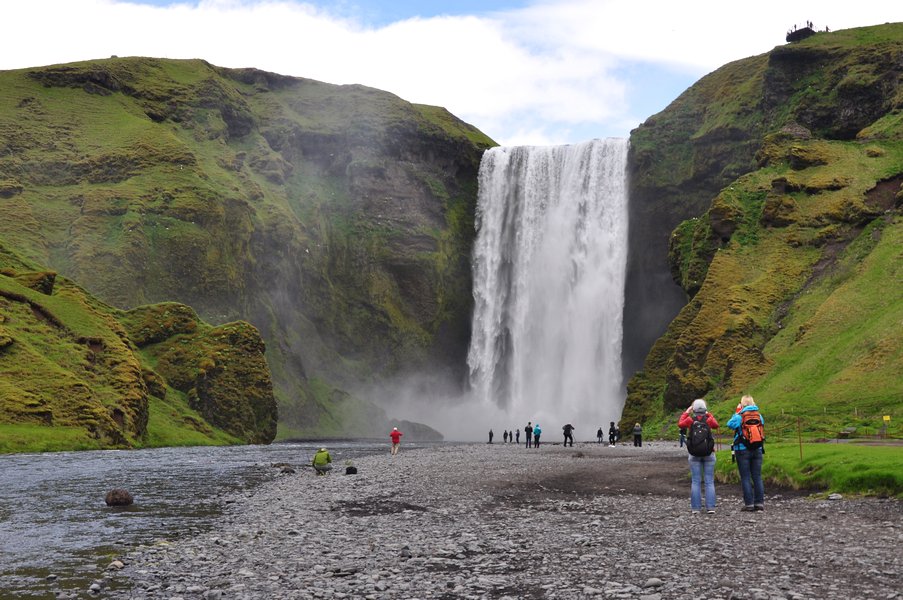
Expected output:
(374, 507)
(589, 475)
(656, 474)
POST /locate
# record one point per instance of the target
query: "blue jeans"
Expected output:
(749, 462)
(698, 466)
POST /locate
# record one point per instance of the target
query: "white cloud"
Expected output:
(542, 74)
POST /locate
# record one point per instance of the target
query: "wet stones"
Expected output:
(428, 525)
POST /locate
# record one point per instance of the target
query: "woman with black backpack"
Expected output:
(699, 423)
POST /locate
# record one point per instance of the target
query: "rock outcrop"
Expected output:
(75, 378)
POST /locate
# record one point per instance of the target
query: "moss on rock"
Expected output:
(69, 364)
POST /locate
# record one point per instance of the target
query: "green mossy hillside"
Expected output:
(793, 274)
(72, 377)
(838, 86)
(338, 220)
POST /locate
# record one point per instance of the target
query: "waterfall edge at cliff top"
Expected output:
(549, 266)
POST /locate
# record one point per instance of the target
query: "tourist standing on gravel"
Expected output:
(321, 462)
(612, 434)
(699, 422)
(599, 436)
(517, 436)
(748, 447)
(536, 433)
(637, 436)
(568, 434)
(396, 440)
(529, 431)
(490, 436)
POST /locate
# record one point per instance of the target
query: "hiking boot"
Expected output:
(759, 507)
(748, 508)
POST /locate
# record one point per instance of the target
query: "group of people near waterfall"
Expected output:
(533, 434)
(696, 425)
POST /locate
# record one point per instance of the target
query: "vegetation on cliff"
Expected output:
(336, 219)
(793, 271)
(74, 378)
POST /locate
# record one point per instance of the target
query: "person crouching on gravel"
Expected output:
(321, 462)
(699, 423)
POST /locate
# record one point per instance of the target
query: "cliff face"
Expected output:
(336, 219)
(788, 168)
(74, 377)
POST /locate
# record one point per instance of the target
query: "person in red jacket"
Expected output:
(396, 440)
(701, 462)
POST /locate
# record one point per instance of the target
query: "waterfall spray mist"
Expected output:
(549, 267)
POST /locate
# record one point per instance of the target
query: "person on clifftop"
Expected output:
(396, 440)
(321, 461)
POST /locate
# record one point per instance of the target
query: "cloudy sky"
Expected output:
(523, 71)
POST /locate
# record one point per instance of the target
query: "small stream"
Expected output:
(56, 532)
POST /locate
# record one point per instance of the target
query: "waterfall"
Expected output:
(549, 264)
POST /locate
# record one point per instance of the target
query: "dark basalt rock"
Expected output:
(119, 497)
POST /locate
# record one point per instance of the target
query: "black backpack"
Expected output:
(700, 441)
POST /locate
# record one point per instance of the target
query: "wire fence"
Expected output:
(785, 427)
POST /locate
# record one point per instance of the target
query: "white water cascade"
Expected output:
(549, 268)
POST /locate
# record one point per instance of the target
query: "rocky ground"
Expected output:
(500, 522)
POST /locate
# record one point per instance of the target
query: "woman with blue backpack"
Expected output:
(748, 447)
(699, 423)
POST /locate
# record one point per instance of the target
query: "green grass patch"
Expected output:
(843, 467)
(38, 438)
(841, 346)
(174, 424)
(454, 126)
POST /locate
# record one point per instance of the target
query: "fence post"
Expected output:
(799, 434)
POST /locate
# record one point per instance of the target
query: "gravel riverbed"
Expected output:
(501, 521)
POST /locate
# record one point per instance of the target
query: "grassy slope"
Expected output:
(802, 306)
(847, 468)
